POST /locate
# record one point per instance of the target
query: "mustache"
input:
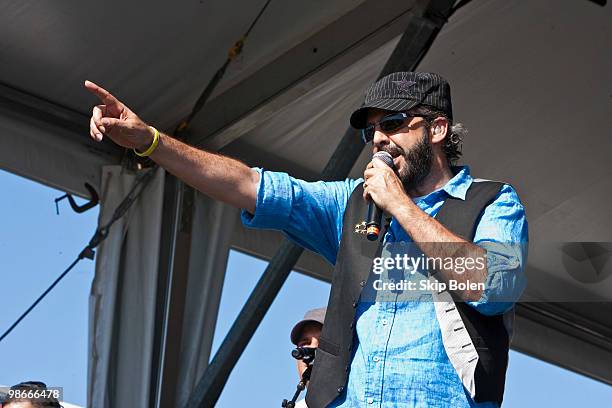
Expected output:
(394, 151)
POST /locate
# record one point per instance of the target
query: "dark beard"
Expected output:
(418, 161)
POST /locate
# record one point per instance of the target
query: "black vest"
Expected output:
(351, 272)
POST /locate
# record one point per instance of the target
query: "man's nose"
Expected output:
(380, 140)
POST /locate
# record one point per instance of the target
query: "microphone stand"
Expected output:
(300, 387)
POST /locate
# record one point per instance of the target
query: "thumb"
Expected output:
(109, 123)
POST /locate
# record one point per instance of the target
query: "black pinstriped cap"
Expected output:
(401, 91)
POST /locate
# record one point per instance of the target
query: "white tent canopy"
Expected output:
(531, 81)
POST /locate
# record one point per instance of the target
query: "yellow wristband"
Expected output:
(153, 146)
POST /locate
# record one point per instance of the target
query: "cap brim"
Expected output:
(359, 118)
(297, 329)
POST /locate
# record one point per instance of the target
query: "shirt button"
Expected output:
(351, 325)
(384, 322)
(376, 359)
(362, 283)
(340, 389)
(370, 400)
(354, 304)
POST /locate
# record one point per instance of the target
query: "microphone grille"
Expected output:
(385, 157)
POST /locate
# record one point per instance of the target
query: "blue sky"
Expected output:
(36, 245)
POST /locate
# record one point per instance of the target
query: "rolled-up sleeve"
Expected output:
(503, 233)
(274, 201)
(308, 213)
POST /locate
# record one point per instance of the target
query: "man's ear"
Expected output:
(439, 129)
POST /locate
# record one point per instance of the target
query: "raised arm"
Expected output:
(220, 177)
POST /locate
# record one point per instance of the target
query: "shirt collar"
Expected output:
(455, 187)
(458, 186)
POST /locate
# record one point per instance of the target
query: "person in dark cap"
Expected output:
(448, 347)
(30, 394)
(306, 333)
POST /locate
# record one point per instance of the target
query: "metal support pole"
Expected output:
(415, 41)
(174, 255)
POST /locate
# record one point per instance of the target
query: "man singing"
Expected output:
(445, 349)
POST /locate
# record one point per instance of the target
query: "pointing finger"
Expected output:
(101, 93)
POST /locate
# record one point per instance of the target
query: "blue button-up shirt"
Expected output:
(399, 358)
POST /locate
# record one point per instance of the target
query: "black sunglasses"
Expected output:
(387, 124)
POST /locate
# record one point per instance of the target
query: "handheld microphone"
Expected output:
(374, 217)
